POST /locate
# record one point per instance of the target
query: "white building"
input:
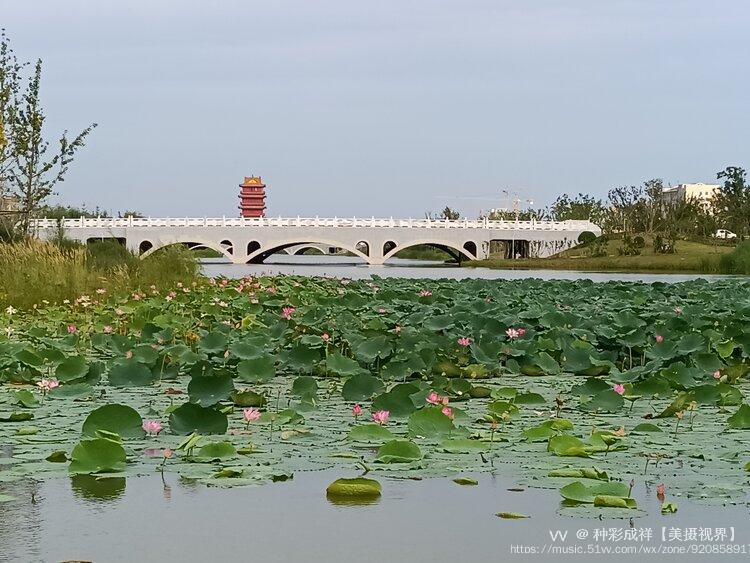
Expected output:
(700, 192)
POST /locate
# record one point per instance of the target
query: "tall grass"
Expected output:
(32, 272)
(737, 261)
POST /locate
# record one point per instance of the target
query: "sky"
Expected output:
(387, 108)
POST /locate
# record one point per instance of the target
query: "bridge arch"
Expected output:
(192, 242)
(261, 254)
(322, 249)
(450, 248)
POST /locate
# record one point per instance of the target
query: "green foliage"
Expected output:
(100, 455)
(732, 203)
(180, 359)
(630, 247)
(190, 417)
(737, 261)
(120, 419)
(32, 272)
(586, 237)
(358, 488)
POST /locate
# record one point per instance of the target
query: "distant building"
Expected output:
(702, 193)
(252, 197)
(10, 203)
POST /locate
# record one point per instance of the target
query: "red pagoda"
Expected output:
(252, 197)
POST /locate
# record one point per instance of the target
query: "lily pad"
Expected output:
(398, 451)
(190, 417)
(120, 419)
(97, 456)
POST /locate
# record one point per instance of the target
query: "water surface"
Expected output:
(348, 267)
(435, 520)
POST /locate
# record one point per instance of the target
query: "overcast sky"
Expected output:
(386, 108)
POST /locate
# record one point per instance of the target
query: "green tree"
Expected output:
(581, 207)
(9, 83)
(449, 213)
(35, 170)
(654, 205)
(732, 202)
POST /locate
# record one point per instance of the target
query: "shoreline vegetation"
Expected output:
(689, 257)
(36, 274)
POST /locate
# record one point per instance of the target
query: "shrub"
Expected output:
(665, 244)
(629, 246)
(737, 261)
(586, 237)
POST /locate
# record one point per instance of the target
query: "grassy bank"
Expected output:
(691, 256)
(33, 272)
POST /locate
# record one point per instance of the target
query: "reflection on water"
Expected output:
(348, 267)
(429, 520)
(88, 487)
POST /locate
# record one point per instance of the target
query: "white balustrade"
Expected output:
(336, 222)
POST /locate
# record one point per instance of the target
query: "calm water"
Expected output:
(433, 520)
(347, 267)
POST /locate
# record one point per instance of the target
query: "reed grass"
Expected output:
(34, 272)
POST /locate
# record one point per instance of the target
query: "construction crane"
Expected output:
(513, 201)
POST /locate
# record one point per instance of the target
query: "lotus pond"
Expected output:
(596, 391)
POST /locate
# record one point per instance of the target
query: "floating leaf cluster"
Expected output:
(564, 384)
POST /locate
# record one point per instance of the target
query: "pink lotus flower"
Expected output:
(72, 329)
(447, 411)
(152, 426)
(717, 374)
(619, 388)
(382, 311)
(659, 338)
(464, 341)
(434, 399)
(167, 453)
(425, 293)
(356, 411)
(108, 329)
(521, 332)
(381, 417)
(287, 312)
(47, 385)
(397, 330)
(512, 333)
(250, 415)
(326, 337)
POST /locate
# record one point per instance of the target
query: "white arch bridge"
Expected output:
(373, 240)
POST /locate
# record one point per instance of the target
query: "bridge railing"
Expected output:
(337, 222)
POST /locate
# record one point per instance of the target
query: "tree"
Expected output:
(9, 81)
(732, 202)
(34, 172)
(450, 214)
(654, 204)
(582, 207)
